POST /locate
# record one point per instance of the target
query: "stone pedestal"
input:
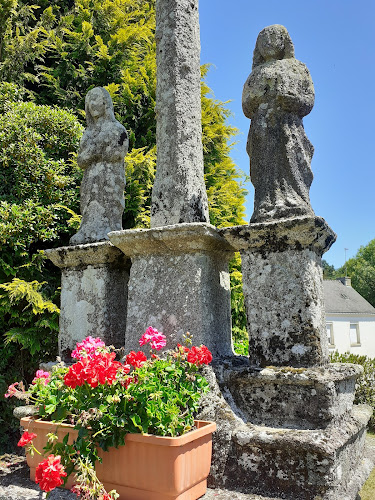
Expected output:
(291, 398)
(179, 282)
(283, 289)
(285, 432)
(93, 294)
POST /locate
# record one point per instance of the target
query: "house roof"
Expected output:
(340, 298)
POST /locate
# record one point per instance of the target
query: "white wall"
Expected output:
(341, 334)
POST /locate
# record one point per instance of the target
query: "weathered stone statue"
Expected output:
(101, 155)
(277, 95)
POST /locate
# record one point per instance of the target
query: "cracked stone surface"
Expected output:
(283, 289)
(94, 280)
(179, 282)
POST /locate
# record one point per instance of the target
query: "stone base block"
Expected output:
(93, 294)
(179, 282)
(281, 463)
(283, 289)
(285, 397)
(297, 464)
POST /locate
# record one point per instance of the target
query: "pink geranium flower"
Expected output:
(40, 374)
(156, 339)
(88, 348)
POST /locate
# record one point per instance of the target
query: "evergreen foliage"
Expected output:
(38, 179)
(329, 271)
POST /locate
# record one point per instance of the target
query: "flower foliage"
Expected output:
(105, 399)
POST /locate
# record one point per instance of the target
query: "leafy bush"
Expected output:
(365, 386)
(30, 324)
(39, 182)
(239, 322)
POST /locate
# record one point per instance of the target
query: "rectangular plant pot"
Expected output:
(148, 467)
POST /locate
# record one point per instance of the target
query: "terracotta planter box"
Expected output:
(147, 467)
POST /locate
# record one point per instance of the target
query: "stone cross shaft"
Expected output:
(179, 193)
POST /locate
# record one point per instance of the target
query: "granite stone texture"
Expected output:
(103, 147)
(283, 289)
(93, 294)
(286, 397)
(279, 462)
(278, 93)
(179, 282)
(179, 192)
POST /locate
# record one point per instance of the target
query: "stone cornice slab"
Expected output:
(173, 239)
(287, 234)
(91, 254)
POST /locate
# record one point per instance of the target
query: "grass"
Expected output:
(368, 490)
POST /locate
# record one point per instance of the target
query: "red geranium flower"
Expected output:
(98, 370)
(26, 438)
(49, 473)
(136, 359)
(199, 355)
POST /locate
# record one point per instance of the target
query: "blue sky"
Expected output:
(336, 40)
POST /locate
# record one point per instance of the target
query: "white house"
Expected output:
(350, 319)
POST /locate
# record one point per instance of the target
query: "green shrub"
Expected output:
(365, 386)
(30, 324)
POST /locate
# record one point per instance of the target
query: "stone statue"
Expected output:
(103, 147)
(276, 95)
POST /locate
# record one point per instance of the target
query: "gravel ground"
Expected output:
(16, 485)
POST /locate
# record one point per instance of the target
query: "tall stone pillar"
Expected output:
(179, 279)
(179, 192)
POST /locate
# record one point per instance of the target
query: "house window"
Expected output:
(354, 334)
(331, 341)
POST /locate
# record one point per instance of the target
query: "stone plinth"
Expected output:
(179, 282)
(283, 289)
(294, 398)
(291, 463)
(298, 464)
(93, 294)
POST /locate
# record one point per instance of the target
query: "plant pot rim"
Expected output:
(203, 427)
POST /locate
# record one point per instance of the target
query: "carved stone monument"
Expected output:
(294, 432)
(287, 427)
(277, 95)
(281, 249)
(103, 147)
(94, 273)
(179, 279)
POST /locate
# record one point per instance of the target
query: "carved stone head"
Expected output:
(273, 43)
(98, 103)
